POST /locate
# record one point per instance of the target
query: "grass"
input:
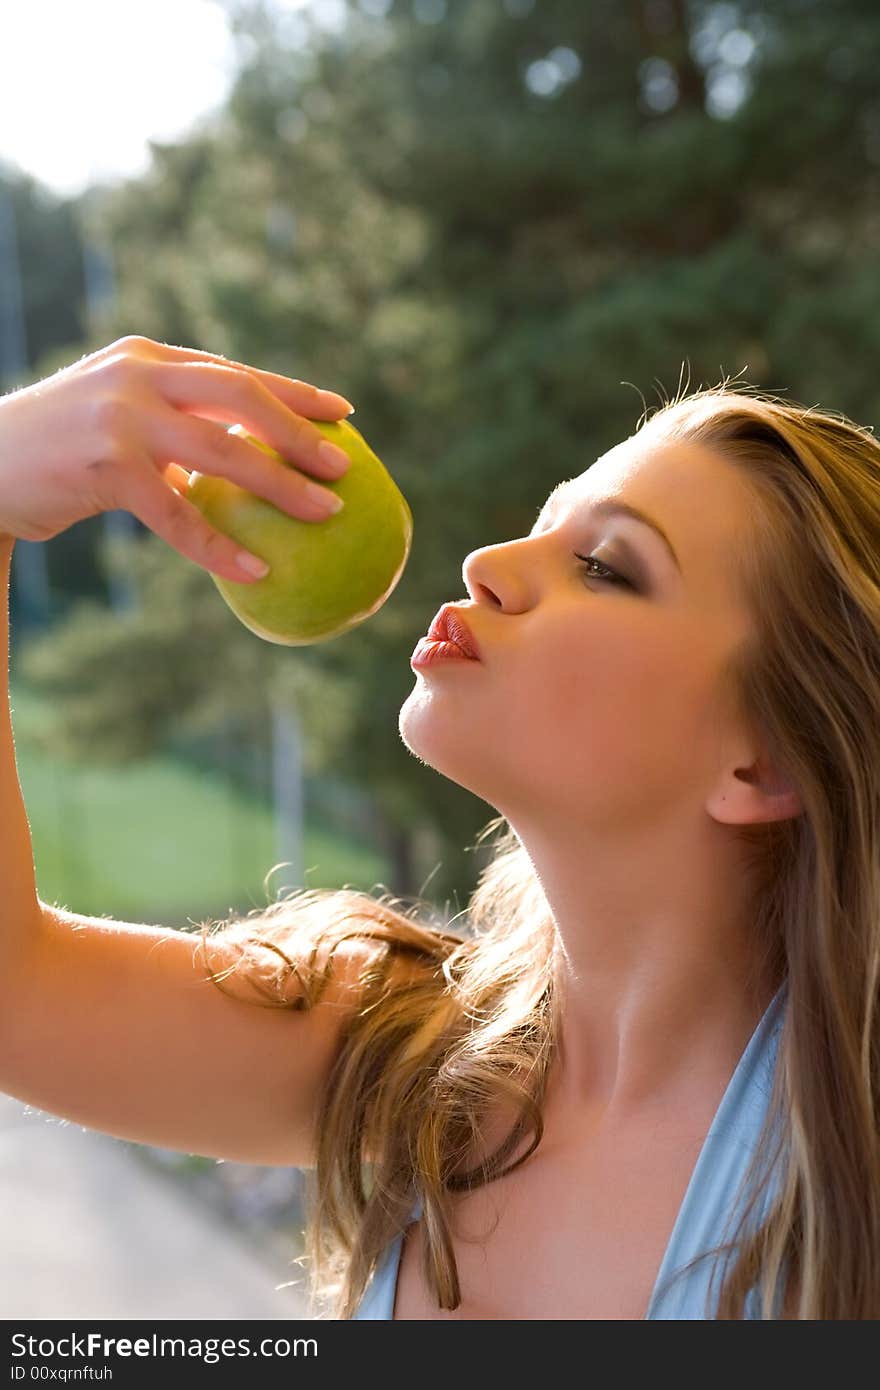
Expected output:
(159, 841)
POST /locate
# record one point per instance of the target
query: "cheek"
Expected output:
(612, 708)
(579, 715)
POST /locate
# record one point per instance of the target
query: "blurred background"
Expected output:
(502, 228)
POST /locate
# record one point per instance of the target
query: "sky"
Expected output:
(85, 83)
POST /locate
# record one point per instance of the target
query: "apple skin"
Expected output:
(326, 576)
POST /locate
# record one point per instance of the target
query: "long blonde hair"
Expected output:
(424, 1063)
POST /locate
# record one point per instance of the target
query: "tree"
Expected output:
(493, 233)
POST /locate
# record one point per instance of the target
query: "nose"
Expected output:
(492, 575)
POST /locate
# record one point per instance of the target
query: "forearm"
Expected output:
(20, 906)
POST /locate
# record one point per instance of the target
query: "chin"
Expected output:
(420, 724)
(435, 736)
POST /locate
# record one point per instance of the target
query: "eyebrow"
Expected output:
(612, 507)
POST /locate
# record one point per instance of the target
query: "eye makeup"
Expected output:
(607, 574)
(609, 507)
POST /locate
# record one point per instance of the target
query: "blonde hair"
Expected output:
(426, 1059)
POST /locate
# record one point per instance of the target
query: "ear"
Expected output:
(749, 795)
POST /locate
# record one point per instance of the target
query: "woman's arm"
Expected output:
(19, 905)
(116, 1025)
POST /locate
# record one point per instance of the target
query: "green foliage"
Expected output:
(498, 235)
(177, 663)
(49, 261)
(158, 839)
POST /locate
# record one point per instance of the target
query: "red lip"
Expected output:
(450, 626)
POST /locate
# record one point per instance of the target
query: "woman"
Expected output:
(643, 1079)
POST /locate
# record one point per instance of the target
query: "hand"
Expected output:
(123, 427)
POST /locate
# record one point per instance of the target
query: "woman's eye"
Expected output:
(608, 575)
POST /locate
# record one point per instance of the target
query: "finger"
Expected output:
(222, 393)
(141, 491)
(297, 395)
(205, 447)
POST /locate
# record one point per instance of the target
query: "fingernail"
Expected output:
(335, 458)
(334, 400)
(328, 501)
(253, 564)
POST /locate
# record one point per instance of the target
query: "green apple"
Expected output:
(326, 576)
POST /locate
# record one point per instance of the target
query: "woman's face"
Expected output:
(594, 704)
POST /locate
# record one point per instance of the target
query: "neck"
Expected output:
(662, 985)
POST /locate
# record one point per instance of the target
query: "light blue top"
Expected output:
(703, 1217)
